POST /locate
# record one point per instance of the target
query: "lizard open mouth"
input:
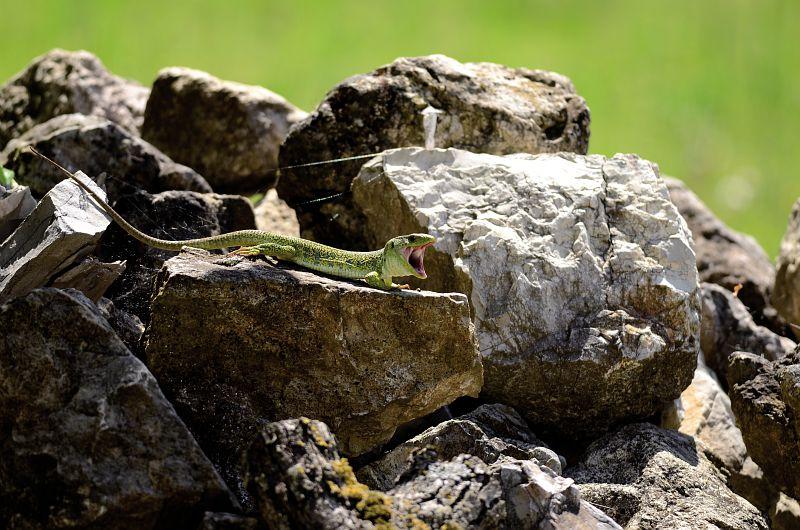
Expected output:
(415, 256)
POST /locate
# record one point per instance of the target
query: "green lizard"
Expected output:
(401, 256)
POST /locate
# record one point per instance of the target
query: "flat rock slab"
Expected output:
(15, 204)
(66, 82)
(486, 108)
(63, 228)
(765, 396)
(227, 131)
(579, 270)
(88, 439)
(236, 342)
(96, 146)
(651, 478)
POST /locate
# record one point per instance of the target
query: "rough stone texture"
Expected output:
(64, 82)
(726, 257)
(727, 326)
(580, 273)
(274, 215)
(96, 146)
(228, 521)
(646, 477)
(486, 108)
(786, 296)
(91, 276)
(488, 432)
(785, 515)
(227, 131)
(299, 480)
(704, 412)
(15, 205)
(235, 342)
(128, 327)
(168, 215)
(63, 228)
(87, 440)
(765, 396)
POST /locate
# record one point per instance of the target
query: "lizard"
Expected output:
(400, 256)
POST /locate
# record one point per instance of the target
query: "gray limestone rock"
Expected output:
(651, 478)
(727, 326)
(15, 204)
(227, 131)
(786, 296)
(95, 145)
(236, 342)
(88, 439)
(91, 276)
(274, 215)
(579, 270)
(65, 82)
(299, 480)
(765, 396)
(489, 432)
(726, 257)
(485, 108)
(128, 327)
(63, 228)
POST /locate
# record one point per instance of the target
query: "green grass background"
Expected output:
(710, 90)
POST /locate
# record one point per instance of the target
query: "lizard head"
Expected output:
(405, 254)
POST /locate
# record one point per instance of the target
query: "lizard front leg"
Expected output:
(276, 250)
(373, 279)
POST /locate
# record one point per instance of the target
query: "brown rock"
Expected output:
(786, 296)
(274, 215)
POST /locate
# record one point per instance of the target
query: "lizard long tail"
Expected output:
(231, 239)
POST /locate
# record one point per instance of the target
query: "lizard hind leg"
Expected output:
(268, 249)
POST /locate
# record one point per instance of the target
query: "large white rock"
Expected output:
(579, 270)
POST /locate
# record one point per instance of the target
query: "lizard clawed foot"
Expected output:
(401, 286)
(245, 251)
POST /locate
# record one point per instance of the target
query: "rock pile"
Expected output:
(592, 348)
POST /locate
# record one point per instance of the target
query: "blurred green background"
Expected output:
(710, 90)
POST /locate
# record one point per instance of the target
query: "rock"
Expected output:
(62, 229)
(235, 343)
(96, 146)
(15, 204)
(227, 131)
(727, 327)
(726, 257)
(128, 327)
(785, 515)
(88, 439)
(706, 415)
(296, 474)
(91, 276)
(168, 215)
(786, 296)
(64, 82)
(227, 521)
(486, 108)
(765, 396)
(579, 270)
(646, 478)
(488, 432)
(274, 215)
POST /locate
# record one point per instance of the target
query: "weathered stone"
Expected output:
(96, 146)
(765, 396)
(91, 277)
(274, 215)
(646, 477)
(64, 82)
(579, 270)
(785, 515)
(726, 257)
(168, 215)
(786, 296)
(299, 480)
(128, 327)
(727, 326)
(63, 228)
(486, 108)
(227, 521)
(227, 131)
(87, 439)
(236, 342)
(488, 432)
(15, 205)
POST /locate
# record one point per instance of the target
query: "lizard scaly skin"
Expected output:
(401, 256)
